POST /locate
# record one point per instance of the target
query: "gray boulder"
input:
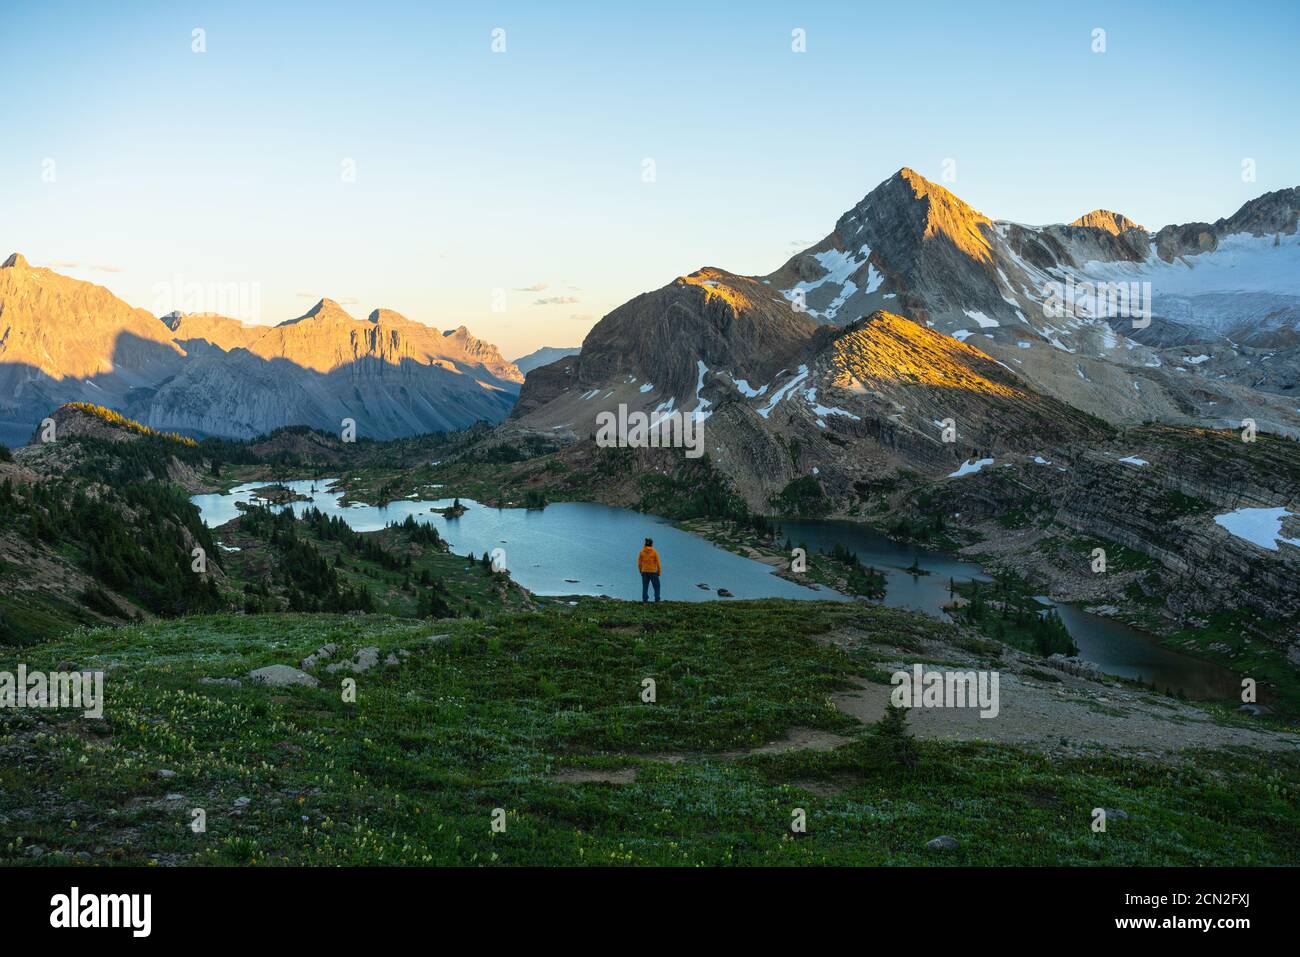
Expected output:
(320, 654)
(364, 660)
(280, 676)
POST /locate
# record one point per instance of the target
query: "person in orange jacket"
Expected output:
(647, 563)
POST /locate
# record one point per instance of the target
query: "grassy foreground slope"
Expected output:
(541, 714)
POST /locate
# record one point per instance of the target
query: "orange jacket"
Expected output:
(648, 560)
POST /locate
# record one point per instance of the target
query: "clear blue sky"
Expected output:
(478, 171)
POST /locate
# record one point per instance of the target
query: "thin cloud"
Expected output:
(556, 301)
(535, 287)
(73, 264)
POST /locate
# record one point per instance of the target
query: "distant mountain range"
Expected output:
(64, 340)
(1218, 340)
(542, 357)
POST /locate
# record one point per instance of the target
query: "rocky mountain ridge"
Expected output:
(1085, 311)
(64, 340)
(1025, 294)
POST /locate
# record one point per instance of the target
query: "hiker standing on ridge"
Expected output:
(647, 563)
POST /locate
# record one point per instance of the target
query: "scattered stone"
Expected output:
(243, 801)
(35, 851)
(1115, 814)
(165, 773)
(391, 661)
(175, 797)
(1253, 710)
(438, 639)
(942, 843)
(83, 855)
(1104, 610)
(281, 676)
(228, 682)
(320, 654)
(363, 660)
(1075, 666)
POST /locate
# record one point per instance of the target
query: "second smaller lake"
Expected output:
(1114, 647)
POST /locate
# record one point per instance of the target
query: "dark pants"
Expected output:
(648, 579)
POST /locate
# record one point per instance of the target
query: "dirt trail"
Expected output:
(1068, 717)
(1072, 716)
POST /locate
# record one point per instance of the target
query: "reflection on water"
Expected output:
(572, 548)
(1114, 647)
(1120, 650)
(927, 593)
(568, 548)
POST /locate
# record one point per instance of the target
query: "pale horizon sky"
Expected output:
(137, 163)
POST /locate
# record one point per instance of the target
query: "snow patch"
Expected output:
(969, 468)
(825, 410)
(1259, 526)
(782, 392)
(702, 404)
(839, 266)
(984, 321)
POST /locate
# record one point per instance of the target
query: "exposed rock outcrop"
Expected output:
(63, 340)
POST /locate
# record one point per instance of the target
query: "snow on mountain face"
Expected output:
(876, 394)
(1260, 526)
(839, 267)
(1099, 292)
(1029, 297)
(1244, 289)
